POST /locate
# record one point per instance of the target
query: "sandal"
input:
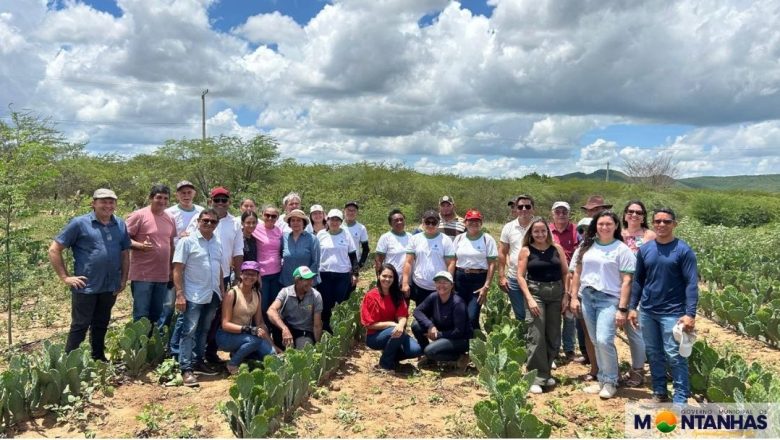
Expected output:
(634, 378)
(587, 377)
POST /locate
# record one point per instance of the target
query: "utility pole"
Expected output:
(607, 169)
(203, 111)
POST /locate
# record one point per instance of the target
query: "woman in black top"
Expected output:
(248, 225)
(541, 269)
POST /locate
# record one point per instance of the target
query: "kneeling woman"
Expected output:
(384, 313)
(442, 325)
(243, 332)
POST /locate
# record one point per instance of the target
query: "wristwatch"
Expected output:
(623, 309)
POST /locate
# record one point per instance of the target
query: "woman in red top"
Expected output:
(384, 313)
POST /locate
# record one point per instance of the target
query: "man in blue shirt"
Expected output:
(666, 287)
(100, 246)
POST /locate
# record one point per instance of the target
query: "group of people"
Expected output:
(247, 286)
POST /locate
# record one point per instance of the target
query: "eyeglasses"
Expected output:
(207, 221)
(220, 200)
(634, 212)
(524, 207)
(663, 221)
(431, 222)
(561, 212)
(271, 216)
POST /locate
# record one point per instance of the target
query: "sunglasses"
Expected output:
(431, 222)
(524, 207)
(207, 221)
(271, 216)
(221, 200)
(634, 212)
(663, 221)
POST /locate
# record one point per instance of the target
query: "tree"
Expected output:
(659, 172)
(27, 148)
(238, 164)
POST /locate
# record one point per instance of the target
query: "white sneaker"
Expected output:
(608, 391)
(592, 388)
(535, 389)
(553, 366)
(550, 382)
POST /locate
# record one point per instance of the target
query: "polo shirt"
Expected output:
(151, 265)
(299, 314)
(568, 239)
(202, 263)
(474, 254)
(97, 251)
(359, 235)
(377, 308)
(334, 251)
(452, 227)
(430, 254)
(269, 249)
(603, 264)
(512, 234)
(393, 247)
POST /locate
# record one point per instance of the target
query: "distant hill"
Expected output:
(614, 176)
(766, 182)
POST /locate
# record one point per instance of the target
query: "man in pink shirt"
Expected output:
(151, 231)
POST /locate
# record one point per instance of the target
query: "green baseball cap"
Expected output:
(304, 272)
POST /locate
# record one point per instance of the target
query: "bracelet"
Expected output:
(622, 310)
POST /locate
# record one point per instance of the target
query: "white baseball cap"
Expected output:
(336, 213)
(685, 339)
(443, 274)
(561, 204)
(315, 208)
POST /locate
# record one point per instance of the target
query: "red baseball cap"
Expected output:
(219, 191)
(473, 214)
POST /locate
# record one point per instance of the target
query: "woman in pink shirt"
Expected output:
(269, 255)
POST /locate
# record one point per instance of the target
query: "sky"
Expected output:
(495, 88)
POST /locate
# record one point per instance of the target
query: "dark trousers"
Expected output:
(301, 338)
(211, 338)
(465, 286)
(442, 349)
(334, 288)
(417, 293)
(90, 311)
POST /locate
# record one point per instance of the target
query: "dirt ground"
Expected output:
(360, 402)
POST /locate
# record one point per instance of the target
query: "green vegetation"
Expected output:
(742, 268)
(729, 378)
(499, 359)
(263, 398)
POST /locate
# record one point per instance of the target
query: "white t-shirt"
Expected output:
(429, 257)
(182, 218)
(359, 235)
(474, 254)
(602, 266)
(231, 237)
(512, 234)
(334, 251)
(393, 247)
(281, 222)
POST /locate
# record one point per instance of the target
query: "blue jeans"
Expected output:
(517, 299)
(393, 349)
(175, 342)
(636, 343)
(663, 350)
(168, 308)
(270, 289)
(197, 319)
(148, 300)
(567, 334)
(598, 311)
(242, 345)
(465, 285)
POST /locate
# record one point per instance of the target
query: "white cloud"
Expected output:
(362, 80)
